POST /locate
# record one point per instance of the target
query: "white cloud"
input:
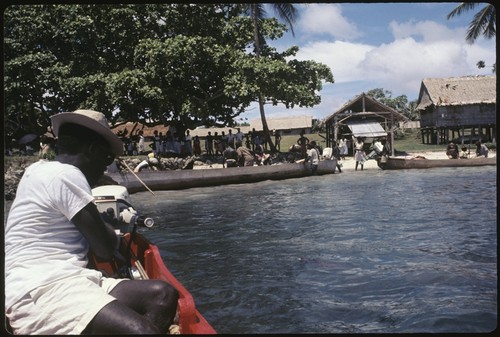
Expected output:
(326, 19)
(343, 58)
(417, 50)
(425, 31)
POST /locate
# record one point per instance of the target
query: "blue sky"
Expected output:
(393, 46)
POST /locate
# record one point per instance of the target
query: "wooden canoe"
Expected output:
(181, 179)
(394, 163)
(151, 262)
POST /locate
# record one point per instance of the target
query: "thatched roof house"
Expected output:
(455, 104)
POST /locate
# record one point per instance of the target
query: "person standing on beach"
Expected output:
(277, 139)
(141, 142)
(209, 144)
(312, 157)
(303, 141)
(336, 155)
(238, 137)
(343, 147)
(359, 154)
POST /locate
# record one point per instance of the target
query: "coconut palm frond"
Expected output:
(287, 12)
(462, 8)
(483, 23)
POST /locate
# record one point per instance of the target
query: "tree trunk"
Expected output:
(265, 128)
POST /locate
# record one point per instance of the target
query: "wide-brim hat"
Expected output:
(93, 120)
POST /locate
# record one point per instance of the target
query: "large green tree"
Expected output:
(183, 65)
(399, 103)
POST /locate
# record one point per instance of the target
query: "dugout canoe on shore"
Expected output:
(182, 179)
(394, 163)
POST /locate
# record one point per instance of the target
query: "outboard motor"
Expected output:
(113, 202)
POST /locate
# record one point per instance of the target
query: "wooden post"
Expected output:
(393, 153)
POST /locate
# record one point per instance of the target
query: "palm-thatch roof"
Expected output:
(364, 105)
(464, 90)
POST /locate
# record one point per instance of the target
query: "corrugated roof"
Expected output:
(366, 129)
(457, 91)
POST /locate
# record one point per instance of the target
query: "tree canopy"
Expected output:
(399, 103)
(183, 65)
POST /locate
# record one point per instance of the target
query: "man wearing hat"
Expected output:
(52, 224)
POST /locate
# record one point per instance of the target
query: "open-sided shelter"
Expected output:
(363, 116)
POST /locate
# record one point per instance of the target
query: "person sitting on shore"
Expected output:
(452, 151)
(150, 162)
(245, 156)
(230, 157)
(481, 150)
(52, 224)
(464, 154)
(261, 157)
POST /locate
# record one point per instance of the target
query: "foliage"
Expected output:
(183, 65)
(270, 85)
(399, 103)
(483, 23)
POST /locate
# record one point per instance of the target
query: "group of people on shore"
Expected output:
(453, 153)
(174, 145)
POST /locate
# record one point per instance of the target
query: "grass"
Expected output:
(410, 142)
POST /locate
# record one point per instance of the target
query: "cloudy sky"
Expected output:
(393, 46)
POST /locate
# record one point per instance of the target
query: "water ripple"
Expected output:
(372, 252)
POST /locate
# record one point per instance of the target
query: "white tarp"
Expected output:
(366, 129)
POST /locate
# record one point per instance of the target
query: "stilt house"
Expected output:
(462, 109)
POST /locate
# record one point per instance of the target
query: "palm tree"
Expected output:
(285, 11)
(483, 23)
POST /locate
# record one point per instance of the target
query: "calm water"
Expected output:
(359, 252)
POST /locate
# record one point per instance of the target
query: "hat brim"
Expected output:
(115, 143)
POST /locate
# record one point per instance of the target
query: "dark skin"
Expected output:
(142, 306)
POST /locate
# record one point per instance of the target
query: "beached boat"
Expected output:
(395, 163)
(143, 259)
(181, 179)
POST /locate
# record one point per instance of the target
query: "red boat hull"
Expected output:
(190, 320)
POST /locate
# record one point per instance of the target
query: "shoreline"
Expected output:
(13, 173)
(348, 164)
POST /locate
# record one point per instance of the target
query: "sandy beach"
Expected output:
(349, 164)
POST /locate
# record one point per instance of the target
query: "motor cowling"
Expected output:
(113, 202)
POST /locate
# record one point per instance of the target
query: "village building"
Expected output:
(462, 109)
(365, 117)
(291, 125)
